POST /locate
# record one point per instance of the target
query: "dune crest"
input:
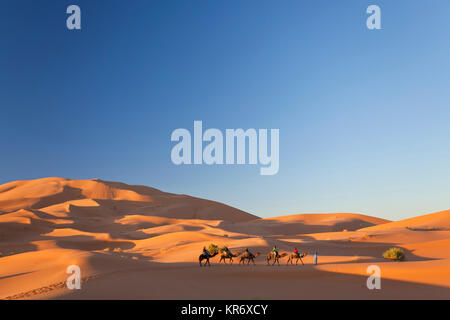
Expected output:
(433, 221)
(60, 194)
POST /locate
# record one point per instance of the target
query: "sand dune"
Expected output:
(139, 242)
(434, 221)
(44, 193)
(330, 222)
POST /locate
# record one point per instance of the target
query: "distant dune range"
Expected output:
(139, 242)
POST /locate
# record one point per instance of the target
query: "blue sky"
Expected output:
(363, 115)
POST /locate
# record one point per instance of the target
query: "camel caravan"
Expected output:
(246, 256)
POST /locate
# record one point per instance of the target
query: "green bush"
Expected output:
(213, 248)
(394, 254)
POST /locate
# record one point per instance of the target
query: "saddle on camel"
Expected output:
(225, 254)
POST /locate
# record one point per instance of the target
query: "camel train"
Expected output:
(246, 256)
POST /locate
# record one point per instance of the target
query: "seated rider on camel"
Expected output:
(206, 252)
(228, 252)
(275, 250)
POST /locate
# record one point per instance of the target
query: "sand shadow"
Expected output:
(188, 281)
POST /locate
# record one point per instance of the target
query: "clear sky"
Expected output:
(364, 116)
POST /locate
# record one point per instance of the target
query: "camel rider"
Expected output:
(275, 250)
(296, 252)
(206, 252)
(228, 251)
(246, 251)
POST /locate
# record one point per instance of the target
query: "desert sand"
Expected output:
(136, 242)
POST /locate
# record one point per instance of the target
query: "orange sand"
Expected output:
(139, 242)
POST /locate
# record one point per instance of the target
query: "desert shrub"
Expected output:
(213, 248)
(394, 254)
(365, 237)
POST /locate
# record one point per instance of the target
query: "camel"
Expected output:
(297, 256)
(249, 256)
(228, 255)
(204, 257)
(271, 255)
